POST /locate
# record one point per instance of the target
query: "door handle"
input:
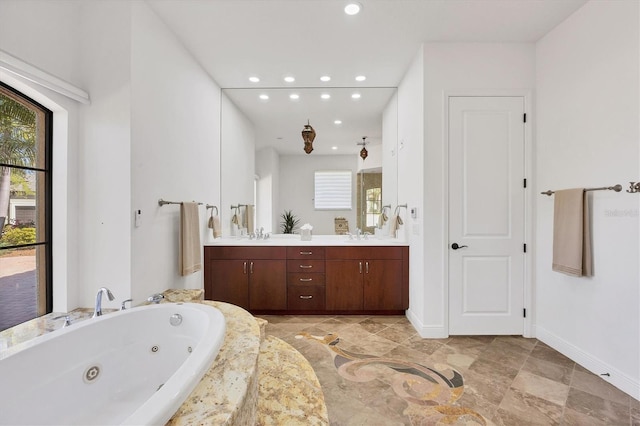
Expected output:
(455, 246)
(251, 267)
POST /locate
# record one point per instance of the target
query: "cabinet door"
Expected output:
(268, 284)
(383, 287)
(227, 281)
(344, 284)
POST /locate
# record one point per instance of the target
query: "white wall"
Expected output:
(587, 136)
(268, 171)
(473, 68)
(238, 167)
(57, 54)
(175, 151)
(151, 131)
(104, 152)
(410, 155)
(390, 152)
(297, 190)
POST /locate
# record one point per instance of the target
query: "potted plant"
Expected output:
(289, 222)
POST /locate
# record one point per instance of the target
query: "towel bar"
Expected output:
(616, 188)
(162, 202)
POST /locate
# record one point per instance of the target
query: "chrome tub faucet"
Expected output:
(98, 308)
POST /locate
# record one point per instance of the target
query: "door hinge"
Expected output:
(524, 312)
(524, 117)
(524, 246)
(524, 182)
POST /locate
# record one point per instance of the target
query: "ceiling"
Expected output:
(271, 39)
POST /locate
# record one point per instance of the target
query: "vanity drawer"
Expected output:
(305, 266)
(310, 252)
(305, 279)
(305, 297)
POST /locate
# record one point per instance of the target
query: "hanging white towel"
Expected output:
(571, 233)
(189, 250)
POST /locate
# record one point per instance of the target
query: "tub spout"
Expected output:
(155, 298)
(98, 309)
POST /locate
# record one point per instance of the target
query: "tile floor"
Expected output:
(388, 375)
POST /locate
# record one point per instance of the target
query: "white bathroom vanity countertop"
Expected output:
(295, 240)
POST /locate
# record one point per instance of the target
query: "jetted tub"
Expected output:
(129, 367)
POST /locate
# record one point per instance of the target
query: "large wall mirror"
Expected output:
(264, 163)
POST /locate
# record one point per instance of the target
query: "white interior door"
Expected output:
(486, 215)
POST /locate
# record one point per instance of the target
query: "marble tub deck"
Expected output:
(255, 379)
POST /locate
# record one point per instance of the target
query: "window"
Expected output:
(373, 207)
(332, 190)
(25, 208)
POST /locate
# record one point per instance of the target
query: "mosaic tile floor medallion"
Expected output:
(429, 391)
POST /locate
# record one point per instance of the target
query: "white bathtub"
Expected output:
(128, 367)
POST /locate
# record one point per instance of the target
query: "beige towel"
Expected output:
(214, 225)
(249, 213)
(217, 228)
(394, 226)
(571, 235)
(235, 219)
(382, 219)
(189, 253)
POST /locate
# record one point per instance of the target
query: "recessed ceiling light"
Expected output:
(355, 96)
(352, 8)
(325, 96)
(289, 79)
(325, 78)
(361, 78)
(264, 97)
(337, 122)
(254, 79)
(334, 147)
(294, 96)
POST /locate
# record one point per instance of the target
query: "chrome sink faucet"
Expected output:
(98, 309)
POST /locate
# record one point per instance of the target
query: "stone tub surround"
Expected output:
(289, 391)
(228, 393)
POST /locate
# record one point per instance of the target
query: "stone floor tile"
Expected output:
(598, 408)
(551, 355)
(541, 387)
(548, 369)
(595, 385)
(531, 408)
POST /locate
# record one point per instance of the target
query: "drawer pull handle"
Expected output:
(306, 266)
(306, 279)
(308, 253)
(306, 297)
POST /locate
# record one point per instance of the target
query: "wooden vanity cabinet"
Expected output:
(305, 279)
(367, 278)
(253, 278)
(309, 280)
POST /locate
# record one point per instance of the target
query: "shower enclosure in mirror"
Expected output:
(264, 162)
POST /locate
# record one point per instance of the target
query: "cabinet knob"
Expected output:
(306, 266)
(306, 253)
(306, 297)
(306, 279)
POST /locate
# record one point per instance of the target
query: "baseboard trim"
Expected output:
(427, 331)
(617, 378)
